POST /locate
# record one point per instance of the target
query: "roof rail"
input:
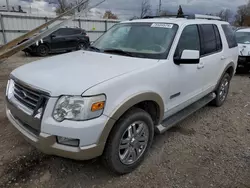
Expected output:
(191, 16)
(208, 17)
(165, 16)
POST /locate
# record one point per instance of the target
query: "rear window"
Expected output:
(230, 35)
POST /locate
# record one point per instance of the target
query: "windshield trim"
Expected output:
(158, 56)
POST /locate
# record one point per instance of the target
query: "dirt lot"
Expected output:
(209, 149)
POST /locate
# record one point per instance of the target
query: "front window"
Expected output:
(243, 37)
(143, 40)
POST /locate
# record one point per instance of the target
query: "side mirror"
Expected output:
(188, 57)
(52, 35)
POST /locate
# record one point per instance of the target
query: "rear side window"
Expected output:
(189, 40)
(59, 32)
(70, 31)
(230, 35)
(209, 44)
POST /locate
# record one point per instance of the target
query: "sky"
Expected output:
(130, 8)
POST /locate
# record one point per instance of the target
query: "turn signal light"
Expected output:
(97, 106)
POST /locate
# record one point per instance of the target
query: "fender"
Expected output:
(126, 105)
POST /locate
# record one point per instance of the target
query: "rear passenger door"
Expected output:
(212, 59)
(58, 39)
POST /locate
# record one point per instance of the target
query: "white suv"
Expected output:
(243, 39)
(141, 77)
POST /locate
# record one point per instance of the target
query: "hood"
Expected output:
(73, 73)
(244, 49)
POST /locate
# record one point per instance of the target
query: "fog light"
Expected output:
(68, 141)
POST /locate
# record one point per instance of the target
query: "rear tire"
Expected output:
(129, 141)
(222, 91)
(42, 50)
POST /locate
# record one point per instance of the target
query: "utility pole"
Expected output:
(7, 5)
(159, 8)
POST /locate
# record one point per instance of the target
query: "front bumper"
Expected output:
(45, 140)
(48, 144)
(244, 61)
(31, 49)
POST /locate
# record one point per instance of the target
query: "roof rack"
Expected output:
(191, 16)
(208, 17)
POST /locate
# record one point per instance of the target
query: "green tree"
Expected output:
(110, 15)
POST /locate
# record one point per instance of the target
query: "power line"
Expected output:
(8, 5)
(159, 7)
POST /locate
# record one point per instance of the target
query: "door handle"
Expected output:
(200, 66)
(223, 58)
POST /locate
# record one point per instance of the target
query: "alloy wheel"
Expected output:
(133, 142)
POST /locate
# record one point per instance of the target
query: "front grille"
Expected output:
(28, 127)
(30, 98)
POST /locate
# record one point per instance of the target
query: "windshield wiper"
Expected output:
(94, 48)
(118, 51)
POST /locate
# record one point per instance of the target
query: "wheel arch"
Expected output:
(230, 69)
(135, 101)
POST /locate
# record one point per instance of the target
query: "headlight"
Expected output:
(10, 89)
(79, 108)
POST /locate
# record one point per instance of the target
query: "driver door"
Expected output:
(186, 80)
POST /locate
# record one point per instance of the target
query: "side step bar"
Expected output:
(178, 117)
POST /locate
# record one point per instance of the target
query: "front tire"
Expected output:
(81, 46)
(129, 141)
(222, 91)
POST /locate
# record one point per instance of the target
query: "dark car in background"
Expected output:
(62, 40)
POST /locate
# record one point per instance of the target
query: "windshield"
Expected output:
(243, 37)
(144, 40)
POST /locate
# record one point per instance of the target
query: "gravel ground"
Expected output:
(211, 148)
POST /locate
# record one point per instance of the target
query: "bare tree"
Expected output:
(145, 8)
(64, 5)
(242, 17)
(225, 14)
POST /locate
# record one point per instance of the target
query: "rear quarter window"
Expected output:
(230, 36)
(71, 31)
